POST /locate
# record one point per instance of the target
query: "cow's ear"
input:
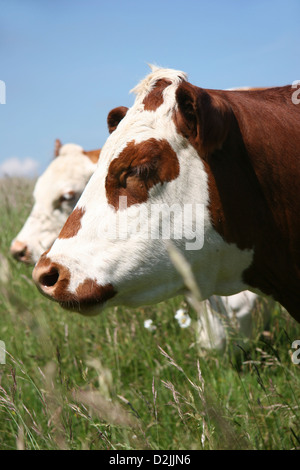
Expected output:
(114, 117)
(186, 117)
(57, 147)
(93, 155)
(203, 117)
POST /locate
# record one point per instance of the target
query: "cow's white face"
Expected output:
(55, 194)
(146, 164)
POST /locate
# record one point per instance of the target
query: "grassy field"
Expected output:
(106, 382)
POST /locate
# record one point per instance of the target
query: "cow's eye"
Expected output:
(123, 178)
(69, 197)
(146, 170)
(139, 174)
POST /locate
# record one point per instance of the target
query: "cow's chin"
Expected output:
(85, 309)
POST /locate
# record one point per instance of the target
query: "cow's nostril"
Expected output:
(49, 279)
(19, 251)
(19, 255)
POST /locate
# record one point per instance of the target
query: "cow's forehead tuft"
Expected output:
(155, 98)
(148, 83)
(64, 171)
(70, 149)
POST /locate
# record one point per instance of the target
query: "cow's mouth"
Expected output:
(87, 309)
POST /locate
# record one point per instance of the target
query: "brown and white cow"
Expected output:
(56, 193)
(223, 314)
(235, 154)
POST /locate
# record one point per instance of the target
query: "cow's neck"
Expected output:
(252, 184)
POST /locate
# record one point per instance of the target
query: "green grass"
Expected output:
(106, 382)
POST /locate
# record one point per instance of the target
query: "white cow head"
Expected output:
(56, 192)
(113, 250)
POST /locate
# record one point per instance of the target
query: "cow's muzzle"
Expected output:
(53, 281)
(19, 250)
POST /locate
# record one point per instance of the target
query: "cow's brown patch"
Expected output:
(155, 98)
(138, 168)
(88, 296)
(114, 117)
(93, 155)
(73, 224)
(89, 292)
(44, 261)
(42, 264)
(251, 157)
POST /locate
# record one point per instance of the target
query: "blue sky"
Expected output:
(66, 63)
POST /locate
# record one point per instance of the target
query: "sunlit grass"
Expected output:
(107, 382)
